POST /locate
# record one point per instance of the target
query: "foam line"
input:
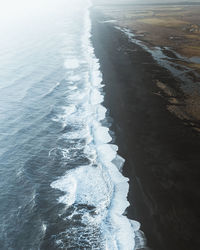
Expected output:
(101, 183)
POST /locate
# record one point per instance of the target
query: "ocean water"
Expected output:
(60, 180)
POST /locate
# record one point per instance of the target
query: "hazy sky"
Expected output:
(146, 1)
(164, 1)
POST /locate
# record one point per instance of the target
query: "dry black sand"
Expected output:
(162, 154)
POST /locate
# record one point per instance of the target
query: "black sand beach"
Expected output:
(162, 153)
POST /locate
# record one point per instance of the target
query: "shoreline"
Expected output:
(161, 152)
(174, 28)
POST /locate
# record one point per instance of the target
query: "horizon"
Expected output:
(145, 1)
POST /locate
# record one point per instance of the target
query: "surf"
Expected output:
(100, 184)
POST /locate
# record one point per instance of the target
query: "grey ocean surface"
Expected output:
(59, 187)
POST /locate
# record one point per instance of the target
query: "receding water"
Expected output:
(195, 59)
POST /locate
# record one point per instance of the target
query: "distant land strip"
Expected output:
(151, 4)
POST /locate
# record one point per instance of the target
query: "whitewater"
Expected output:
(100, 184)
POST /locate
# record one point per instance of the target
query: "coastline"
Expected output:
(161, 152)
(171, 35)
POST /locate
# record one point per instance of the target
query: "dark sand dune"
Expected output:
(162, 154)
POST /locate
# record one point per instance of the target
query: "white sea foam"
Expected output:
(101, 134)
(71, 63)
(52, 89)
(44, 227)
(96, 97)
(106, 153)
(69, 186)
(101, 183)
(119, 162)
(72, 87)
(78, 134)
(67, 111)
(79, 188)
(101, 112)
(74, 78)
(109, 21)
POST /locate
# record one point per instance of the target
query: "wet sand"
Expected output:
(162, 153)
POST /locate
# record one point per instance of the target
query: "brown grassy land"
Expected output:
(174, 26)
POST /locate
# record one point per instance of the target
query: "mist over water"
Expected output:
(59, 186)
